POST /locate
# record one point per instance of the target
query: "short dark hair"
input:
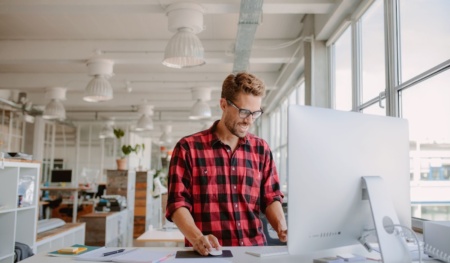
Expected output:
(242, 82)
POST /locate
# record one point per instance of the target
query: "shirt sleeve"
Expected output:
(270, 190)
(179, 180)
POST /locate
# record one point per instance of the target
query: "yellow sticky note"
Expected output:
(72, 250)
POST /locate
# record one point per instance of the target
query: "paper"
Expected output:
(130, 255)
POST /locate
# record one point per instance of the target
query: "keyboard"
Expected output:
(49, 224)
(267, 251)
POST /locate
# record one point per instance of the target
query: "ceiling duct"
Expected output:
(249, 19)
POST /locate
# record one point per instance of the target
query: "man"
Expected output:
(223, 178)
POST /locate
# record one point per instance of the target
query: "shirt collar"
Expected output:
(214, 139)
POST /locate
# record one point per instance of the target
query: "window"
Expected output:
(425, 27)
(372, 52)
(424, 93)
(12, 129)
(342, 53)
(425, 105)
(419, 79)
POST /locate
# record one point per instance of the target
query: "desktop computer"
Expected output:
(59, 177)
(329, 152)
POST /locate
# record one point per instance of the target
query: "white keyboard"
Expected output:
(48, 224)
(267, 251)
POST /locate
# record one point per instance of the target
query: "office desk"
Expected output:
(239, 255)
(73, 190)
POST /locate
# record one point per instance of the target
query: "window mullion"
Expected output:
(392, 55)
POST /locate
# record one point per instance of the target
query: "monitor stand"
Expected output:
(393, 248)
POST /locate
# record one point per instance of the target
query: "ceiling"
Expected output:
(46, 43)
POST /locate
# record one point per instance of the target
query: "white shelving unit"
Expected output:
(65, 236)
(18, 224)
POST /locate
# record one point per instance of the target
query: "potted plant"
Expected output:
(126, 149)
(122, 161)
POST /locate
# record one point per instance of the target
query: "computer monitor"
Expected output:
(61, 176)
(328, 153)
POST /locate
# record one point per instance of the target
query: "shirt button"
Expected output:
(232, 168)
(242, 243)
(228, 150)
(239, 224)
(235, 205)
(234, 187)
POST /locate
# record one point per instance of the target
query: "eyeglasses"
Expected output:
(244, 113)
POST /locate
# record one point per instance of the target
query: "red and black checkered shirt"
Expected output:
(225, 191)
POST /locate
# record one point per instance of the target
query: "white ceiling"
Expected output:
(45, 43)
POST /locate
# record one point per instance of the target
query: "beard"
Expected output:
(239, 129)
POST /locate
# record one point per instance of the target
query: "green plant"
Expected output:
(127, 149)
(119, 133)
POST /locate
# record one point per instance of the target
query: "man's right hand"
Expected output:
(201, 243)
(204, 244)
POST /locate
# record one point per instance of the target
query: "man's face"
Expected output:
(235, 110)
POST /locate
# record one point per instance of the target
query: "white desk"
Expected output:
(239, 255)
(155, 235)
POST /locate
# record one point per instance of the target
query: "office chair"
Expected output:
(52, 204)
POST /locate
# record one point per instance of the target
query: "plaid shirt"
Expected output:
(224, 191)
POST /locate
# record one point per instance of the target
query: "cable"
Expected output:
(415, 237)
(368, 232)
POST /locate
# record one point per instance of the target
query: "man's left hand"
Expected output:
(282, 235)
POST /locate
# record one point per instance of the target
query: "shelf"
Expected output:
(18, 224)
(7, 256)
(7, 210)
(19, 209)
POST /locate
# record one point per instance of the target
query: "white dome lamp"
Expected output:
(145, 122)
(99, 89)
(201, 109)
(54, 110)
(184, 49)
(107, 130)
(166, 136)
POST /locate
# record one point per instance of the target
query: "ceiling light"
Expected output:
(145, 122)
(54, 110)
(201, 109)
(184, 48)
(99, 89)
(107, 130)
(166, 136)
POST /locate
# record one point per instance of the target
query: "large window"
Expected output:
(372, 52)
(420, 82)
(425, 31)
(342, 53)
(424, 93)
(402, 59)
(278, 130)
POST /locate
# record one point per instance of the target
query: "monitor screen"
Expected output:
(328, 153)
(61, 176)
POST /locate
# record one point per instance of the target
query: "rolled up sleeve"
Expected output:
(179, 181)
